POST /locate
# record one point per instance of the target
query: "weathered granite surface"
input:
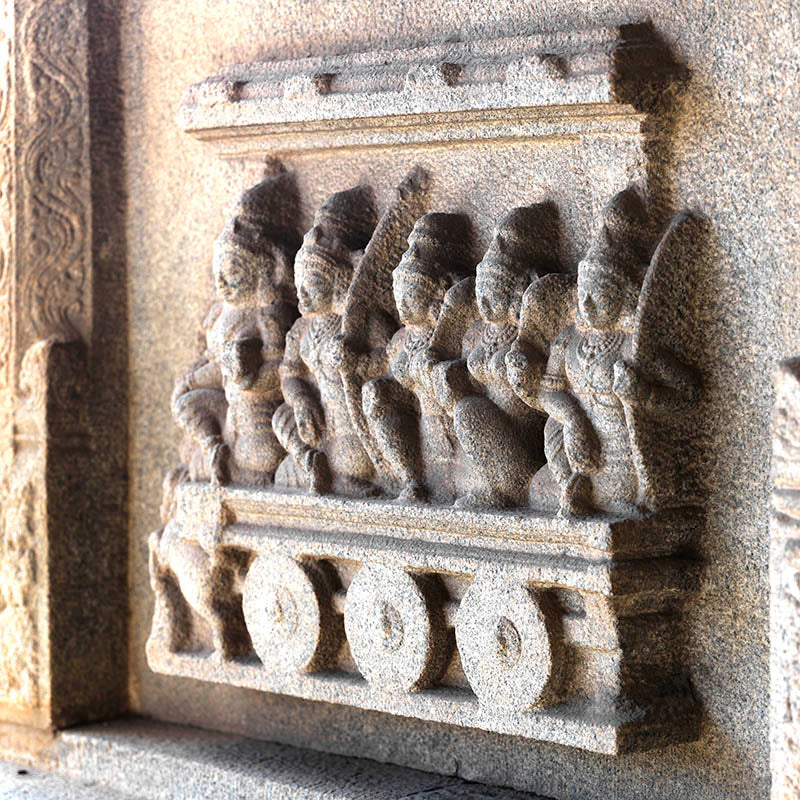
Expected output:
(156, 761)
(730, 152)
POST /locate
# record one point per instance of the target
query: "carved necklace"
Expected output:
(495, 335)
(320, 331)
(593, 353)
(597, 343)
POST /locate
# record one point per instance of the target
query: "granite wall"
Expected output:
(732, 154)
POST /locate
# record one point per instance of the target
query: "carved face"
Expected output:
(315, 291)
(606, 299)
(417, 296)
(234, 271)
(498, 291)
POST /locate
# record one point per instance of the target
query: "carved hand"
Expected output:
(309, 420)
(219, 464)
(241, 360)
(450, 381)
(520, 373)
(340, 355)
(422, 362)
(582, 447)
(497, 367)
(627, 382)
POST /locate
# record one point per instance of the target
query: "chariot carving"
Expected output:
(415, 478)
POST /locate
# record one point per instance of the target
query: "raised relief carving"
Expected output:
(251, 108)
(499, 432)
(50, 452)
(226, 400)
(343, 275)
(416, 554)
(45, 260)
(406, 419)
(607, 378)
(485, 508)
(225, 403)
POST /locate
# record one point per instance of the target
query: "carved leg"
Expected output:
(555, 453)
(200, 413)
(209, 589)
(171, 621)
(575, 488)
(576, 497)
(503, 455)
(395, 427)
(309, 466)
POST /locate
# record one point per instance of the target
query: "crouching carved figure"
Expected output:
(501, 434)
(339, 342)
(610, 382)
(412, 430)
(225, 402)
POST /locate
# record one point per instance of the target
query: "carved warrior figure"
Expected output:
(466, 367)
(226, 400)
(601, 406)
(412, 430)
(340, 341)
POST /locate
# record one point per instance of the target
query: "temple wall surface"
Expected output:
(732, 155)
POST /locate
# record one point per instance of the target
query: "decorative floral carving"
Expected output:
(53, 143)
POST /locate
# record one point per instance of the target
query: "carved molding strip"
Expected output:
(564, 84)
(45, 262)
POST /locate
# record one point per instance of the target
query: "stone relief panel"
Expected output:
(415, 480)
(463, 508)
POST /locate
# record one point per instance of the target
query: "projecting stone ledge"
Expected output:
(566, 83)
(543, 632)
(144, 760)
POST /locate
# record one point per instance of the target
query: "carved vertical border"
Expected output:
(53, 199)
(784, 575)
(45, 271)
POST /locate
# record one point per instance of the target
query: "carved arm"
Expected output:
(669, 386)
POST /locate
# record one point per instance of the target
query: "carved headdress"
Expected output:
(264, 216)
(524, 243)
(342, 226)
(439, 247)
(623, 242)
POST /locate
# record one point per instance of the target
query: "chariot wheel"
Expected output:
(505, 647)
(289, 615)
(396, 629)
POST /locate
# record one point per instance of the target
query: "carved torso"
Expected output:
(405, 348)
(252, 400)
(319, 330)
(486, 345)
(589, 359)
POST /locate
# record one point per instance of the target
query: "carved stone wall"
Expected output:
(740, 319)
(49, 615)
(784, 575)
